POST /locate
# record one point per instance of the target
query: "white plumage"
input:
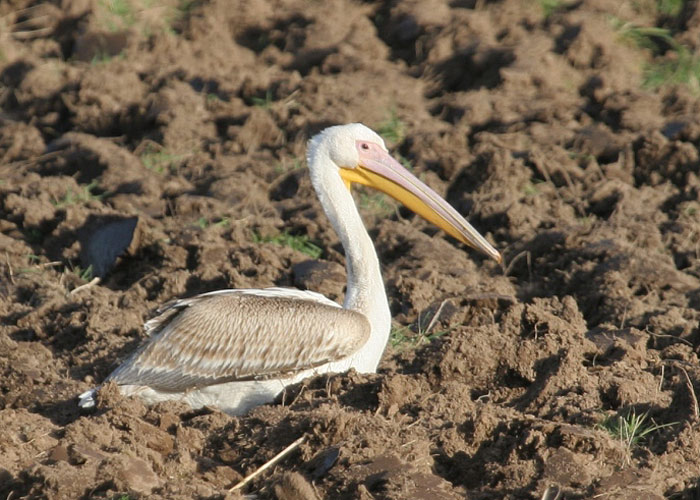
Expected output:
(235, 349)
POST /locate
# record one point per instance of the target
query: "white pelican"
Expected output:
(235, 349)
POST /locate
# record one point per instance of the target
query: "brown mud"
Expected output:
(191, 119)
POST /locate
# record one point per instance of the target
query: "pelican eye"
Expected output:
(364, 146)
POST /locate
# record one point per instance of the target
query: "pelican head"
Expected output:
(340, 144)
(358, 155)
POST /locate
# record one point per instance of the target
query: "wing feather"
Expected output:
(165, 312)
(240, 335)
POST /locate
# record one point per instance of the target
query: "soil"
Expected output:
(182, 127)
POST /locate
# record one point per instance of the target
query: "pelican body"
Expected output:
(236, 349)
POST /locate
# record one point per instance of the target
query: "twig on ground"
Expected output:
(268, 464)
(691, 389)
(673, 337)
(92, 283)
(53, 263)
(524, 253)
(435, 317)
(552, 492)
(9, 269)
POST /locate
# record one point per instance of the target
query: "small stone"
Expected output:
(138, 476)
(59, 453)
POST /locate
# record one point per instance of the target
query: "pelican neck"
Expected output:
(365, 287)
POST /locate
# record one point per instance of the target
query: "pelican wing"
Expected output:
(240, 335)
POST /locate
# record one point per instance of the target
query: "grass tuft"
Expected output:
(644, 37)
(549, 7)
(631, 430)
(375, 203)
(146, 17)
(670, 7)
(102, 57)
(681, 67)
(300, 243)
(204, 223)
(674, 64)
(159, 160)
(85, 195)
(532, 188)
(263, 102)
(117, 15)
(84, 274)
(402, 337)
(393, 129)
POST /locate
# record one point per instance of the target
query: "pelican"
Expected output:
(236, 349)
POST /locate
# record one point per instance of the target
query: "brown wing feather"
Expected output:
(218, 338)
